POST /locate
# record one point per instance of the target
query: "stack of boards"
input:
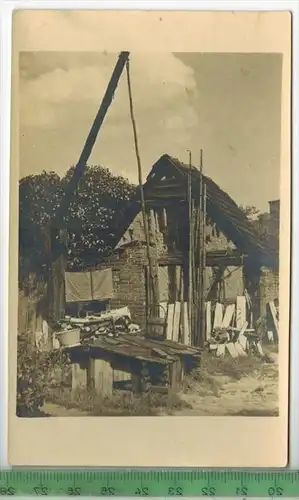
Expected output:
(230, 323)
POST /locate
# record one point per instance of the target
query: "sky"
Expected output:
(226, 104)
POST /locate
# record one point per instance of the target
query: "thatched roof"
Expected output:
(221, 209)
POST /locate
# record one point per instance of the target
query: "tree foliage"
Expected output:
(251, 212)
(89, 219)
(37, 372)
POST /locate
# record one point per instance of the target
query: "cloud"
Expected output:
(61, 90)
(159, 82)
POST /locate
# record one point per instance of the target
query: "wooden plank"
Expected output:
(274, 317)
(212, 259)
(208, 320)
(163, 284)
(79, 377)
(234, 329)
(178, 282)
(220, 350)
(103, 377)
(242, 339)
(228, 316)
(232, 350)
(218, 315)
(119, 375)
(225, 260)
(161, 353)
(186, 325)
(240, 349)
(176, 322)
(270, 336)
(170, 349)
(170, 314)
(240, 311)
(182, 287)
(260, 349)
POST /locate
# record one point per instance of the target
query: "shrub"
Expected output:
(36, 371)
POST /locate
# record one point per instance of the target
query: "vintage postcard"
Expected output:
(150, 238)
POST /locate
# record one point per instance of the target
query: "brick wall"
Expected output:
(269, 288)
(130, 258)
(128, 274)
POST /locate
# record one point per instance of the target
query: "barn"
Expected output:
(238, 260)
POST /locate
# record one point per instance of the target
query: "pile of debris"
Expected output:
(112, 323)
(234, 332)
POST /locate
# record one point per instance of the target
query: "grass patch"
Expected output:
(235, 369)
(201, 383)
(121, 403)
(210, 377)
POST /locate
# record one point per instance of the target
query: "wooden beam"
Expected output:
(213, 259)
(91, 138)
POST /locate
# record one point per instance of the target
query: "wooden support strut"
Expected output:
(58, 220)
(92, 136)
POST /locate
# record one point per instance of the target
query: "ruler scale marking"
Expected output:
(165, 483)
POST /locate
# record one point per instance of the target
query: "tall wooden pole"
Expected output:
(58, 221)
(203, 254)
(92, 136)
(154, 280)
(190, 284)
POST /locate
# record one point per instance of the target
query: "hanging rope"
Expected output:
(145, 222)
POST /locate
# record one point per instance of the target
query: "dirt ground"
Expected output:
(221, 387)
(255, 394)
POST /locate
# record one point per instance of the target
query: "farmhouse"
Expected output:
(237, 263)
(237, 260)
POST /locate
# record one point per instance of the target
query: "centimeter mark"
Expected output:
(158, 483)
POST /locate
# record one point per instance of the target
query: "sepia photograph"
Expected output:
(149, 233)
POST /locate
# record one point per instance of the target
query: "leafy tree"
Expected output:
(261, 221)
(39, 196)
(100, 194)
(251, 212)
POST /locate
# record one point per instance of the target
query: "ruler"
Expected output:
(151, 483)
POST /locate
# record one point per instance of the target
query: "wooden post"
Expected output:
(154, 277)
(176, 375)
(92, 136)
(79, 377)
(103, 377)
(71, 187)
(190, 298)
(200, 296)
(203, 271)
